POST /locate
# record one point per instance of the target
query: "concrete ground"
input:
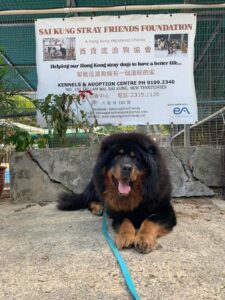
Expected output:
(50, 254)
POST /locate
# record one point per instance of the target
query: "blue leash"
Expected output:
(120, 259)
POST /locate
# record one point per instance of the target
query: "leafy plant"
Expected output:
(12, 102)
(60, 115)
(6, 100)
(11, 137)
(21, 140)
(5, 97)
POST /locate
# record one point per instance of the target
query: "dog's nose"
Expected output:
(126, 168)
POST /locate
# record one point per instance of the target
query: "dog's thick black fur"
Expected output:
(131, 181)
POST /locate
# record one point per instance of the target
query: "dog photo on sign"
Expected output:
(131, 182)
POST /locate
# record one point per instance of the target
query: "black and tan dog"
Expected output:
(131, 181)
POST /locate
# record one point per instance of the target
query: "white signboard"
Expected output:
(139, 68)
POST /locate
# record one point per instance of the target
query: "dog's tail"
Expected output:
(72, 201)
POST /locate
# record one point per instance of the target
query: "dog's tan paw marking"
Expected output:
(96, 208)
(144, 243)
(124, 240)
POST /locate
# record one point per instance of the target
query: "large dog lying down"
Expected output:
(131, 182)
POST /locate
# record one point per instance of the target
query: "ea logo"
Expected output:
(181, 110)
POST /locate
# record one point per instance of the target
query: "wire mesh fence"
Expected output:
(209, 79)
(17, 44)
(208, 131)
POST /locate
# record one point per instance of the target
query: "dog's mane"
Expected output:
(156, 184)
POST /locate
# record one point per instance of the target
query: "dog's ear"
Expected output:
(152, 176)
(105, 146)
(99, 172)
(152, 149)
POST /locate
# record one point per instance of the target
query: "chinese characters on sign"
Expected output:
(139, 69)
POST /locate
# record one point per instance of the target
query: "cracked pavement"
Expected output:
(50, 254)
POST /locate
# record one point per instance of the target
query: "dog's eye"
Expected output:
(117, 156)
(132, 154)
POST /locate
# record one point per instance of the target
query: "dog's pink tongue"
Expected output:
(124, 188)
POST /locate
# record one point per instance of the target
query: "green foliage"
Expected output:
(11, 100)
(6, 100)
(22, 101)
(19, 105)
(108, 129)
(21, 140)
(12, 137)
(59, 115)
(41, 141)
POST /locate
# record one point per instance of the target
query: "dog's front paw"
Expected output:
(96, 208)
(144, 243)
(124, 240)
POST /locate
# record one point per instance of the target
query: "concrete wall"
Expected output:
(39, 176)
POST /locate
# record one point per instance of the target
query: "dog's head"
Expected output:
(128, 162)
(124, 169)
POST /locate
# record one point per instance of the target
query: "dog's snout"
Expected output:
(126, 168)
